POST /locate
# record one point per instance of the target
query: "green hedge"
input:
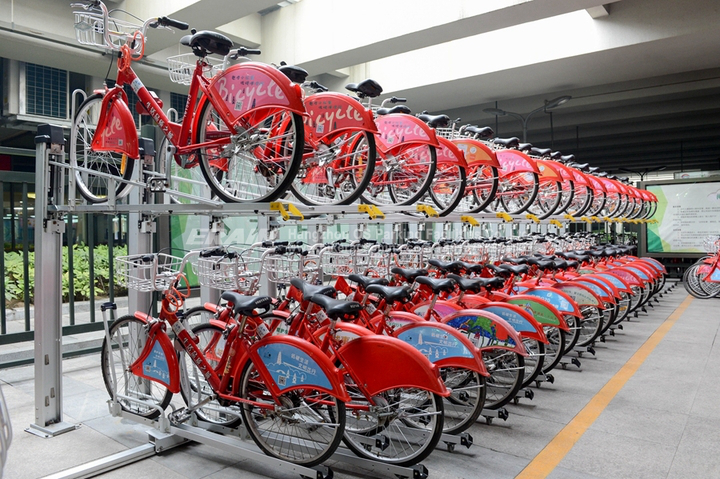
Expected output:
(15, 282)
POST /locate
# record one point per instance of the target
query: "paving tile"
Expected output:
(697, 455)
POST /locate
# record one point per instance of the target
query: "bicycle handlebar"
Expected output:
(171, 22)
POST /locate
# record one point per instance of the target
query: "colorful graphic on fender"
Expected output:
(289, 367)
(155, 365)
(434, 343)
(483, 331)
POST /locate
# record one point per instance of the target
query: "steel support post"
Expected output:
(48, 288)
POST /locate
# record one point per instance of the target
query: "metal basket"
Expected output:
(182, 67)
(281, 268)
(90, 30)
(151, 272)
(344, 263)
(240, 272)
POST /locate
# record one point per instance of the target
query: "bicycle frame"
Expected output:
(292, 364)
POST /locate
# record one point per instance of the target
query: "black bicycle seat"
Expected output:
(337, 308)
(366, 281)
(409, 275)
(366, 88)
(395, 109)
(246, 305)
(437, 285)
(447, 266)
(435, 121)
(294, 73)
(309, 290)
(507, 142)
(206, 42)
(484, 132)
(472, 285)
(391, 293)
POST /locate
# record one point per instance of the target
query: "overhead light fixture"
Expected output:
(549, 105)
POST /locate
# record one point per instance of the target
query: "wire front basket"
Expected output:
(182, 67)
(150, 272)
(344, 263)
(281, 268)
(236, 270)
(90, 30)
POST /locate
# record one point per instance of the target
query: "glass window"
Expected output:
(177, 102)
(46, 91)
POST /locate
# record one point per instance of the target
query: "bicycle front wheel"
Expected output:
(303, 426)
(96, 172)
(399, 426)
(194, 387)
(136, 395)
(337, 172)
(257, 161)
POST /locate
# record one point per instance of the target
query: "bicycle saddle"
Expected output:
(562, 264)
(391, 293)
(473, 268)
(366, 88)
(447, 266)
(395, 109)
(472, 285)
(512, 269)
(246, 305)
(507, 142)
(366, 281)
(337, 308)
(567, 158)
(556, 155)
(409, 275)
(542, 152)
(294, 73)
(514, 261)
(437, 285)
(309, 290)
(435, 121)
(524, 147)
(206, 42)
(484, 132)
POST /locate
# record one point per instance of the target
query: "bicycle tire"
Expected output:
(568, 193)
(573, 336)
(195, 389)
(94, 188)
(403, 443)
(547, 200)
(313, 421)
(466, 401)
(598, 203)
(395, 183)
(260, 159)
(197, 315)
(554, 349)
(590, 326)
(507, 370)
(534, 361)
(136, 395)
(582, 200)
(482, 184)
(350, 160)
(448, 187)
(516, 192)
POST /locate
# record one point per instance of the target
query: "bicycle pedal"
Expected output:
(180, 416)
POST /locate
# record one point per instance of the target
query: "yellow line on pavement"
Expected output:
(544, 463)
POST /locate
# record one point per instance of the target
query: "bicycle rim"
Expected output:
(402, 179)
(303, 427)
(590, 326)
(554, 349)
(447, 187)
(547, 200)
(533, 361)
(399, 426)
(195, 389)
(111, 167)
(257, 161)
(336, 173)
(135, 395)
(517, 191)
(481, 186)
(466, 400)
(507, 369)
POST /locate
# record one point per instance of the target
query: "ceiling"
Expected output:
(644, 75)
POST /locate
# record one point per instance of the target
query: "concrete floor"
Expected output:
(663, 423)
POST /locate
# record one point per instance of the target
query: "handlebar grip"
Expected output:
(170, 22)
(244, 51)
(270, 244)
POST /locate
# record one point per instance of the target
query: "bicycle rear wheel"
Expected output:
(303, 427)
(554, 349)
(257, 161)
(507, 369)
(403, 178)
(590, 326)
(336, 173)
(136, 395)
(400, 426)
(516, 192)
(466, 400)
(448, 187)
(110, 167)
(534, 361)
(547, 200)
(195, 389)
